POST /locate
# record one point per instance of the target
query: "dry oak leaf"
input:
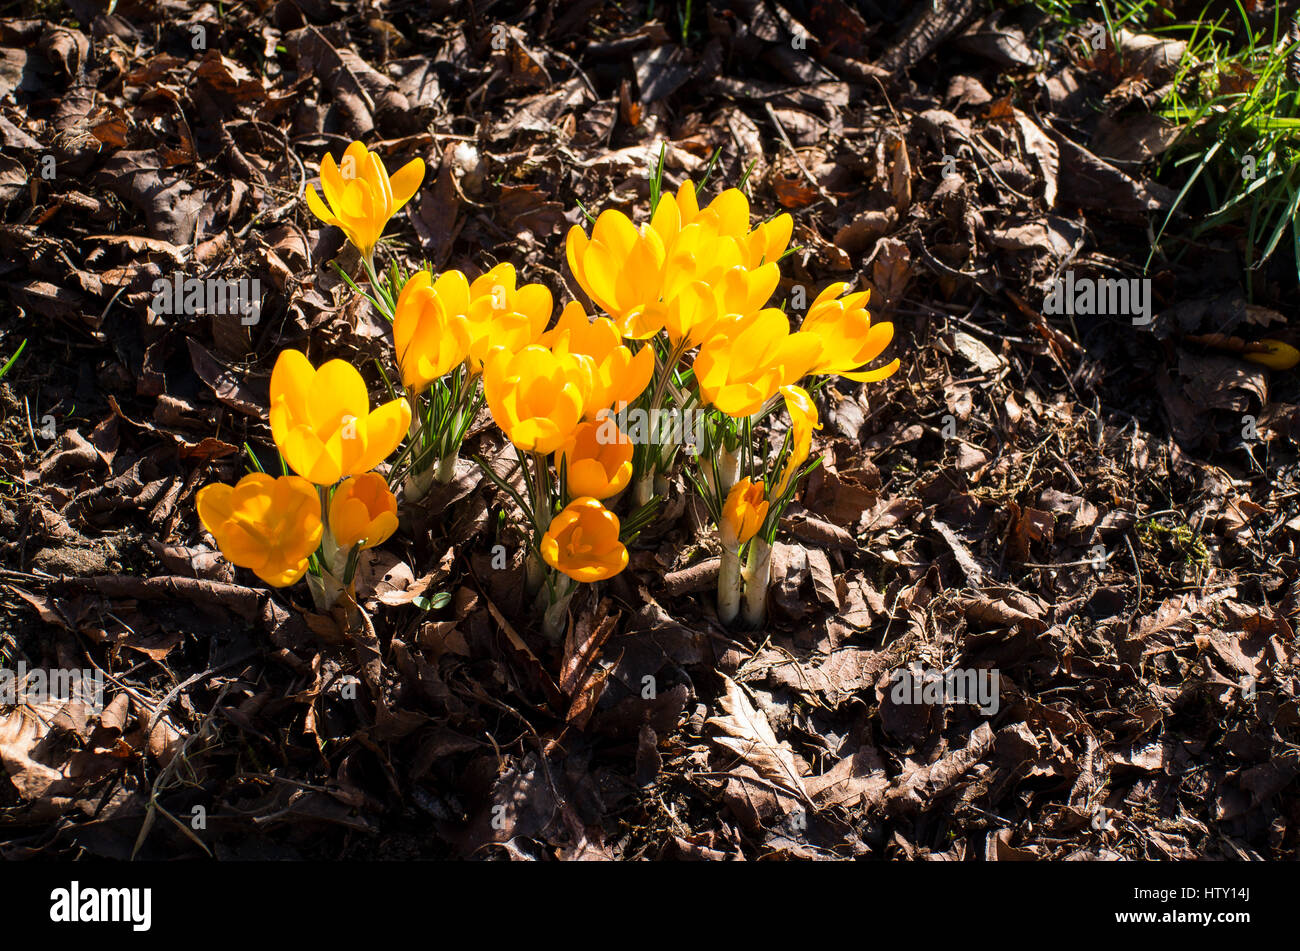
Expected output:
(745, 731)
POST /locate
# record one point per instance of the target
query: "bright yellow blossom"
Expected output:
(621, 269)
(618, 375)
(803, 420)
(270, 526)
(322, 422)
(537, 396)
(750, 358)
(582, 542)
(363, 510)
(360, 197)
(596, 468)
(742, 514)
(850, 340)
(430, 341)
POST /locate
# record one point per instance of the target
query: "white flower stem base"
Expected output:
(555, 619)
(729, 586)
(644, 489)
(758, 575)
(446, 469)
(326, 590)
(728, 470)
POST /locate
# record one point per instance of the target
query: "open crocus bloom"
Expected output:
(363, 510)
(595, 467)
(582, 542)
(743, 513)
(700, 253)
(500, 315)
(360, 197)
(618, 375)
(621, 269)
(727, 216)
(850, 340)
(536, 396)
(429, 339)
(270, 526)
(322, 422)
(803, 420)
(750, 358)
(693, 312)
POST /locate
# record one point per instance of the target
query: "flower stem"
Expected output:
(728, 469)
(644, 489)
(446, 470)
(534, 573)
(729, 586)
(758, 575)
(325, 591)
(557, 612)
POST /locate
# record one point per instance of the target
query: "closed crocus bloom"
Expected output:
(360, 197)
(850, 340)
(536, 396)
(322, 422)
(582, 542)
(743, 513)
(618, 375)
(363, 510)
(501, 315)
(596, 465)
(270, 526)
(429, 339)
(750, 358)
(803, 420)
(621, 269)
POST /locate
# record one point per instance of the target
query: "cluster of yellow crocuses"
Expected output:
(684, 325)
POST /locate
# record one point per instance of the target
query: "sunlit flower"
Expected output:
(618, 375)
(692, 314)
(501, 315)
(363, 510)
(497, 313)
(727, 216)
(620, 268)
(850, 340)
(322, 422)
(582, 542)
(768, 242)
(750, 358)
(430, 340)
(270, 526)
(360, 197)
(702, 254)
(803, 420)
(536, 396)
(595, 466)
(743, 513)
